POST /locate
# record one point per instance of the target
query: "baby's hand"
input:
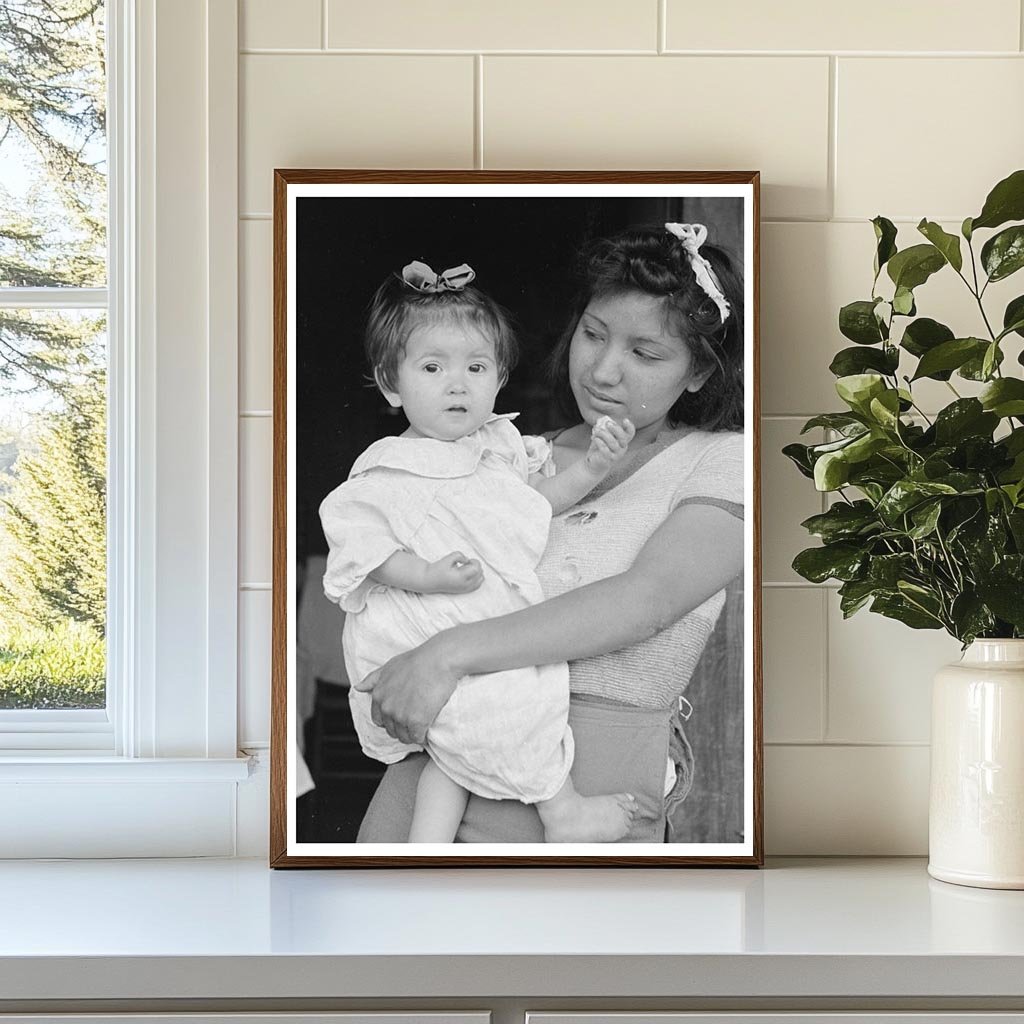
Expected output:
(609, 442)
(453, 574)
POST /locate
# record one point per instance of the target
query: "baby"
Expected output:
(445, 525)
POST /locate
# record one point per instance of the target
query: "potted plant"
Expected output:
(927, 525)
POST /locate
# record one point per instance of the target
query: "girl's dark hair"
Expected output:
(649, 259)
(396, 309)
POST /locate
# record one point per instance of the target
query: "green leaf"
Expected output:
(885, 236)
(799, 455)
(970, 617)
(841, 421)
(903, 302)
(885, 409)
(1005, 598)
(906, 494)
(840, 561)
(857, 321)
(991, 360)
(866, 445)
(899, 608)
(887, 570)
(925, 334)
(925, 518)
(950, 355)
(974, 368)
(1003, 255)
(1004, 397)
(965, 228)
(858, 389)
(854, 595)
(947, 244)
(912, 267)
(1013, 318)
(966, 417)
(850, 361)
(843, 521)
(831, 471)
(1005, 202)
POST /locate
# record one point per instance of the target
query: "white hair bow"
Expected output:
(692, 237)
(421, 277)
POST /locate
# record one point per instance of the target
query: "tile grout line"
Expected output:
(854, 744)
(825, 710)
(323, 24)
(478, 111)
(258, 51)
(663, 26)
(833, 134)
(826, 689)
(1020, 23)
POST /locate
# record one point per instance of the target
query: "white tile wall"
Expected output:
(331, 110)
(794, 664)
(920, 122)
(265, 24)
(874, 25)
(256, 301)
(928, 164)
(471, 25)
(700, 113)
(254, 618)
(255, 514)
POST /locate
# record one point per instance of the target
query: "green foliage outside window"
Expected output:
(52, 365)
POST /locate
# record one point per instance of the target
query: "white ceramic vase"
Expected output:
(976, 813)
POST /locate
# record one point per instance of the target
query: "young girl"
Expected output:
(445, 525)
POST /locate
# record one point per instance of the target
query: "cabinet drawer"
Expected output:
(356, 1017)
(933, 1017)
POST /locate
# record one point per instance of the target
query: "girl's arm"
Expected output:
(609, 443)
(691, 556)
(453, 574)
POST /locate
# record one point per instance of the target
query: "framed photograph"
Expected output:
(516, 558)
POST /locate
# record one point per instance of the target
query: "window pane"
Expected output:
(52, 509)
(53, 149)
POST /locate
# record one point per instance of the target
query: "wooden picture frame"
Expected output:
(337, 235)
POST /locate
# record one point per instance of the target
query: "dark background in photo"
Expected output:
(522, 250)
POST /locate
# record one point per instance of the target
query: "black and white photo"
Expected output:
(516, 572)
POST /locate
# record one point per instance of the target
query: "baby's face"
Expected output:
(447, 381)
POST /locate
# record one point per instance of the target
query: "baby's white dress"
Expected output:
(503, 735)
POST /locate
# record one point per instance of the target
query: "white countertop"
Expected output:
(235, 929)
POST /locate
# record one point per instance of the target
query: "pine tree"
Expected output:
(53, 520)
(53, 234)
(53, 120)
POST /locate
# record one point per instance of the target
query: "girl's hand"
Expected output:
(410, 690)
(453, 574)
(609, 442)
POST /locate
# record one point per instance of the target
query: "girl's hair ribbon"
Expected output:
(421, 277)
(691, 238)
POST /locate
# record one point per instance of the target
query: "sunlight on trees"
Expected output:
(53, 212)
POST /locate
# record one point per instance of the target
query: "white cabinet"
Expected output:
(775, 1018)
(361, 1017)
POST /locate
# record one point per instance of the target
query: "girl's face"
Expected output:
(447, 381)
(625, 362)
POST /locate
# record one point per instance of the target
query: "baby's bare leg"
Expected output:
(570, 818)
(440, 804)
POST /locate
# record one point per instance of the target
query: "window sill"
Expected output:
(80, 806)
(75, 766)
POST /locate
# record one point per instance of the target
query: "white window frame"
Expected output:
(158, 774)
